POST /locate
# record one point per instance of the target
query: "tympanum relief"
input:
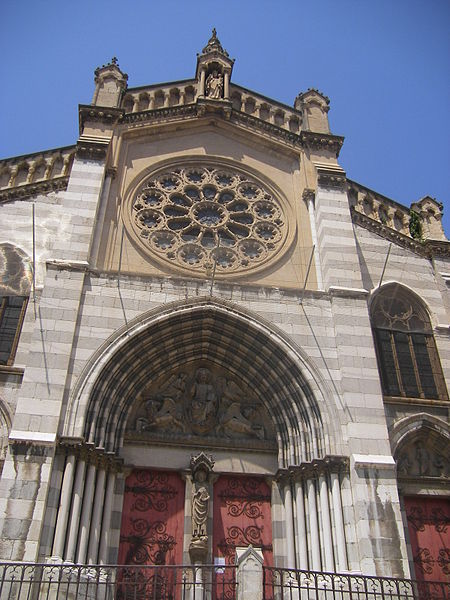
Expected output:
(203, 403)
(420, 459)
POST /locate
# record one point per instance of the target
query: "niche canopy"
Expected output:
(202, 216)
(213, 72)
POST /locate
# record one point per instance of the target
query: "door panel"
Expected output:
(242, 517)
(151, 534)
(429, 534)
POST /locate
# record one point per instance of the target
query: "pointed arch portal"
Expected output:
(216, 334)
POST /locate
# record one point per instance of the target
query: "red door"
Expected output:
(429, 533)
(242, 517)
(151, 534)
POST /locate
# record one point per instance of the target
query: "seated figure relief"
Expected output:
(200, 403)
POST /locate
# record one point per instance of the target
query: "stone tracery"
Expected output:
(198, 217)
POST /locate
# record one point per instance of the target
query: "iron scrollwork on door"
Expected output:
(152, 490)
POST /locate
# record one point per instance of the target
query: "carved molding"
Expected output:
(428, 248)
(30, 448)
(33, 189)
(315, 468)
(87, 451)
(93, 150)
(308, 194)
(161, 114)
(322, 141)
(266, 128)
(98, 114)
(331, 178)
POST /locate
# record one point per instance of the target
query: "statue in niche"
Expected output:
(214, 85)
(201, 467)
(200, 505)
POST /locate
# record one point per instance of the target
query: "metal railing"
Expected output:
(288, 584)
(33, 581)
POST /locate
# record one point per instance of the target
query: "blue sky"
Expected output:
(384, 65)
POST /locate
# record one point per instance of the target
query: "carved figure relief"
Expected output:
(419, 460)
(204, 403)
(214, 85)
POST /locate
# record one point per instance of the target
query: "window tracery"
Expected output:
(406, 351)
(200, 216)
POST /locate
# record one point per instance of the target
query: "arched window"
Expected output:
(12, 311)
(15, 277)
(406, 351)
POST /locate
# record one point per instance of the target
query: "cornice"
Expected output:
(33, 189)
(91, 149)
(98, 114)
(223, 109)
(40, 153)
(331, 177)
(321, 141)
(160, 114)
(266, 128)
(427, 248)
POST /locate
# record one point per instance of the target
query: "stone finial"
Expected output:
(110, 82)
(315, 107)
(214, 45)
(430, 213)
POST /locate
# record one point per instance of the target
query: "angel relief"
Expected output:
(201, 402)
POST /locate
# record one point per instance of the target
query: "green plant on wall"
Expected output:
(415, 226)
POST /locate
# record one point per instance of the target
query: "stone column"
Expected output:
(313, 524)
(327, 541)
(290, 545)
(86, 513)
(341, 557)
(107, 510)
(201, 91)
(76, 509)
(96, 520)
(226, 85)
(302, 542)
(64, 507)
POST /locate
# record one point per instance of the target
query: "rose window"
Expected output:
(204, 217)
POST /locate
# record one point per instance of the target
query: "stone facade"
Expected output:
(201, 276)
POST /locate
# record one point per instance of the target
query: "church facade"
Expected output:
(211, 338)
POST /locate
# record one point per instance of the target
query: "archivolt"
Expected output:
(214, 332)
(409, 428)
